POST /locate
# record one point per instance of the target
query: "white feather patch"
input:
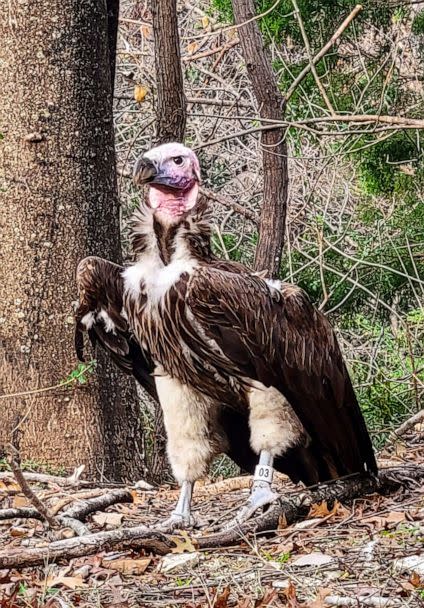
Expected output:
(88, 320)
(109, 324)
(274, 284)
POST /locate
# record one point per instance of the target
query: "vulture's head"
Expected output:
(172, 173)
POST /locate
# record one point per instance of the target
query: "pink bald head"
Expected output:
(172, 172)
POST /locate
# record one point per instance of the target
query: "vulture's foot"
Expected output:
(177, 521)
(260, 496)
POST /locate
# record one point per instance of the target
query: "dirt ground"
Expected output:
(367, 553)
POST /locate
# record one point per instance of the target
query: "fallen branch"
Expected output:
(21, 513)
(375, 601)
(72, 498)
(406, 426)
(23, 484)
(139, 537)
(59, 481)
(289, 510)
(86, 507)
(74, 516)
(294, 508)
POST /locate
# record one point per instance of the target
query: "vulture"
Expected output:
(240, 364)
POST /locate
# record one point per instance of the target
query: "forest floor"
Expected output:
(366, 553)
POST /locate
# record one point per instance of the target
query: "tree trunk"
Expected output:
(112, 34)
(171, 116)
(274, 148)
(59, 204)
(171, 105)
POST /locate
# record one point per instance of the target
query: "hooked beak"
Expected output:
(144, 171)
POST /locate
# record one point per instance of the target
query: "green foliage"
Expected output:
(35, 466)
(320, 17)
(418, 24)
(81, 373)
(380, 165)
(386, 390)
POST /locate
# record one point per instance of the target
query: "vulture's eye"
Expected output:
(178, 160)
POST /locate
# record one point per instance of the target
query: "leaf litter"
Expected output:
(368, 552)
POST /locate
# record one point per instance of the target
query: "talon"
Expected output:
(177, 521)
(261, 493)
(260, 497)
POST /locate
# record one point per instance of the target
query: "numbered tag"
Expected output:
(263, 473)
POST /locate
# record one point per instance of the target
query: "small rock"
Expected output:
(313, 559)
(174, 561)
(284, 584)
(413, 563)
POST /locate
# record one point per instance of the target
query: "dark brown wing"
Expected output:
(100, 288)
(279, 338)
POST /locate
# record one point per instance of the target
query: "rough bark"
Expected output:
(171, 105)
(274, 149)
(59, 204)
(112, 33)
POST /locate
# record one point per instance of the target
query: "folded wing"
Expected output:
(276, 336)
(100, 313)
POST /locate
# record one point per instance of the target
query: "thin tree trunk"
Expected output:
(274, 149)
(59, 204)
(171, 116)
(171, 105)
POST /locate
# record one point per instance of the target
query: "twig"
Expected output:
(226, 202)
(365, 119)
(45, 389)
(323, 51)
(42, 509)
(375, 601)
(202, 54)
(310, 58)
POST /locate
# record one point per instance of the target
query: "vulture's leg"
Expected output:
(274, 427)
(193, 440)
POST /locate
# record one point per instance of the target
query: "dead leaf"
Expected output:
(19, 531)
(282, 522)
(290, 594)
(146, 31)
(415, 580)
(321, 510)
(269, 596)
(221, 600)
(183, 543)
(191, 47)
(71, 582)
(313, 559)
(9, 485)
(128, 566)
(110, 519)
(395, 517)
(319, 601)
(179, 561)
(20, 501)
(140, 93)
(205, 21)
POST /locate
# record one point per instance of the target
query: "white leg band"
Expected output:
(263, 472)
